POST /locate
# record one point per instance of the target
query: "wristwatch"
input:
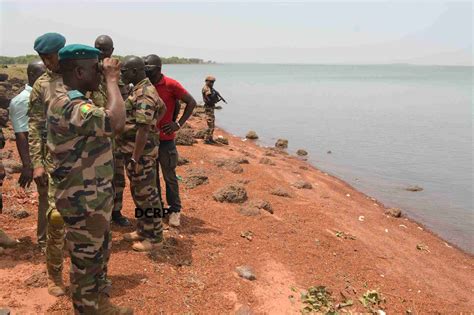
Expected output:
(179, 125)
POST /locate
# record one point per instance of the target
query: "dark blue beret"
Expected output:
(78, 51)
(49, 43)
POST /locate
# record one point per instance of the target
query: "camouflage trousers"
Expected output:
(55, 236)
(211, 120)
(88, 240)
(119, 181)
(43, 205)
(145, 195)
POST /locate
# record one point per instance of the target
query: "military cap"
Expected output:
(210, 78)
(49, 43)
(78, 51)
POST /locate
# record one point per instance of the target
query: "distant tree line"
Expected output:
(166, 60)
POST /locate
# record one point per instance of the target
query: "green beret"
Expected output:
(78, 51)
(49, 43)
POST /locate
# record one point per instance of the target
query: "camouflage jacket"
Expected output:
(79, 141)
(142, 108)
(209, 96)
(45, 89)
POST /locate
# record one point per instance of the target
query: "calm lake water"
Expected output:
(388, 127)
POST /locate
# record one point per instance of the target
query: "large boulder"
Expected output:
(182, 160)
(229, 165)
(301, 152)
(199, 134)
(301, 184)
(185, 137)
(267, 161)
(281, 144)
(232, 193)
(222, 140)
(278, 191)
(195, 177)
(253, 207)
(252, 135)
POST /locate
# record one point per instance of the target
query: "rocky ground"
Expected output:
(262, 232)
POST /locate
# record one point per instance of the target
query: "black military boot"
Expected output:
(120, 220)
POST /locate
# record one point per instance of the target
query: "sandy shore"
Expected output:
(330, 235)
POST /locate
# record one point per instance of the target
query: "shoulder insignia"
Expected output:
(74, 94)
(85, 109)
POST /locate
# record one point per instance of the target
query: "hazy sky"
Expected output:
(273, 32)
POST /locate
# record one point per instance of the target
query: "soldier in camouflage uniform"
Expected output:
(80, 142)
(139, 145)
(210, 98)
(3, 124)
(5, 241)
(105, 44)
(44, 91)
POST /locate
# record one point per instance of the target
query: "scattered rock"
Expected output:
(195, 177)
(241, 160)
(394, 212)
(414, 188)
(422, 247)
(253, 207)
(6, 154)
(37, 280)
(301, 184)
(199, 134)
(218, 107)
(261, 204)
(230, 165)
(222, 140)
(252, 135)
(345, 235)
(281, 144)
(269, 153)
(266, 161)
(232, 193)
(249, 211)
(185, 137)
(246, 272)
(244, 310)
(243, 181)
(302, 167)
(248, 154)
(329, 152)
(301, 152)
(18, 214)
(198, 111)
(275, 151)
(182, 160)
(12, 166)
(247, 235)
(280, 192)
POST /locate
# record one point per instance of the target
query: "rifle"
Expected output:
(220, 96)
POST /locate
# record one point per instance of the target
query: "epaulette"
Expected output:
(73, 94)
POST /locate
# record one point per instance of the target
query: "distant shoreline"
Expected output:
(25, 59)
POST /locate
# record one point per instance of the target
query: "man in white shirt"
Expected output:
(19, 118)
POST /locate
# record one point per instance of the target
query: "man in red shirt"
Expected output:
(170, 92)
